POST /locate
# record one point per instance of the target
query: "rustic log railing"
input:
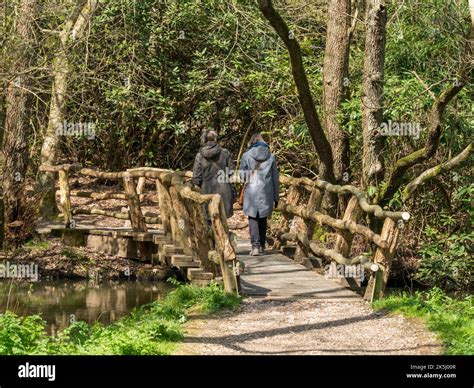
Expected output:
(197, 241)
(385, 243)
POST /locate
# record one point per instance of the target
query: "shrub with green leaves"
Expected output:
(447, 260)
(21, 335)
(447, 246)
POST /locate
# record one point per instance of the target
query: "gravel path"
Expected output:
(306, 327)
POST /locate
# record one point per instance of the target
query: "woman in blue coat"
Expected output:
(259, 171)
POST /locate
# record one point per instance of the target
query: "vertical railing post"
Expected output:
(378, 281)
(307, 229)
(344, 239)
(201, 234)
(183, 224)
(284, 226)
(141, 185)
(224, 249)
(136, 217)
(166, 210)
(65, 196)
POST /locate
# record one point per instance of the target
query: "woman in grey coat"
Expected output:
(259, 170)
(212, 169)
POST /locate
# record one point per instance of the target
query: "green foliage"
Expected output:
(321, 234)
(74, 254)
(21, 335)
(447, 260)
(452, 319)
(447, 250)
(36, 245)
(151, 329)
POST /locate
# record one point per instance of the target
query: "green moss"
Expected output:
(153, 329)
(451, 319)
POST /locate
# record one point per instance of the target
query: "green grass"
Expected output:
(74, 254)
(37, 245)
(451, 319)
(153, 329)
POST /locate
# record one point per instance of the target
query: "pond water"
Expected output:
(63, 301)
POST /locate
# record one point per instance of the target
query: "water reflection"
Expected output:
(60, 302)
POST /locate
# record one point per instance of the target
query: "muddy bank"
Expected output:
(59, 262)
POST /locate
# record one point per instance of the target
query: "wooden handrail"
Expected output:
(60, 167)
(97, 196)
(184, 220)
(331, 254)
(150, 217)
(181, 212)
(376, 210)
(335, 223)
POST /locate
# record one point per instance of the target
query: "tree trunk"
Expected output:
(336, 81)
(70, 33)
(372, 93)
(17, 127)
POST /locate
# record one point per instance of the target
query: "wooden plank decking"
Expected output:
(276, 276)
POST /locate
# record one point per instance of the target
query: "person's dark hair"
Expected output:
(255, 137)
(209, 135)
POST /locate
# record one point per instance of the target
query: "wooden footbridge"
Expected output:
(189, 231)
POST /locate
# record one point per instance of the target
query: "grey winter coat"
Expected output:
(212, 168)
(262, 189)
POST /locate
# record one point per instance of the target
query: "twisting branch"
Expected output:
(436, 170)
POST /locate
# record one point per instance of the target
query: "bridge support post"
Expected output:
(378, 281)
(201, 235)
(136, 216)
(141, 185)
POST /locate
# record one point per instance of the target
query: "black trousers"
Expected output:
(258, 231)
